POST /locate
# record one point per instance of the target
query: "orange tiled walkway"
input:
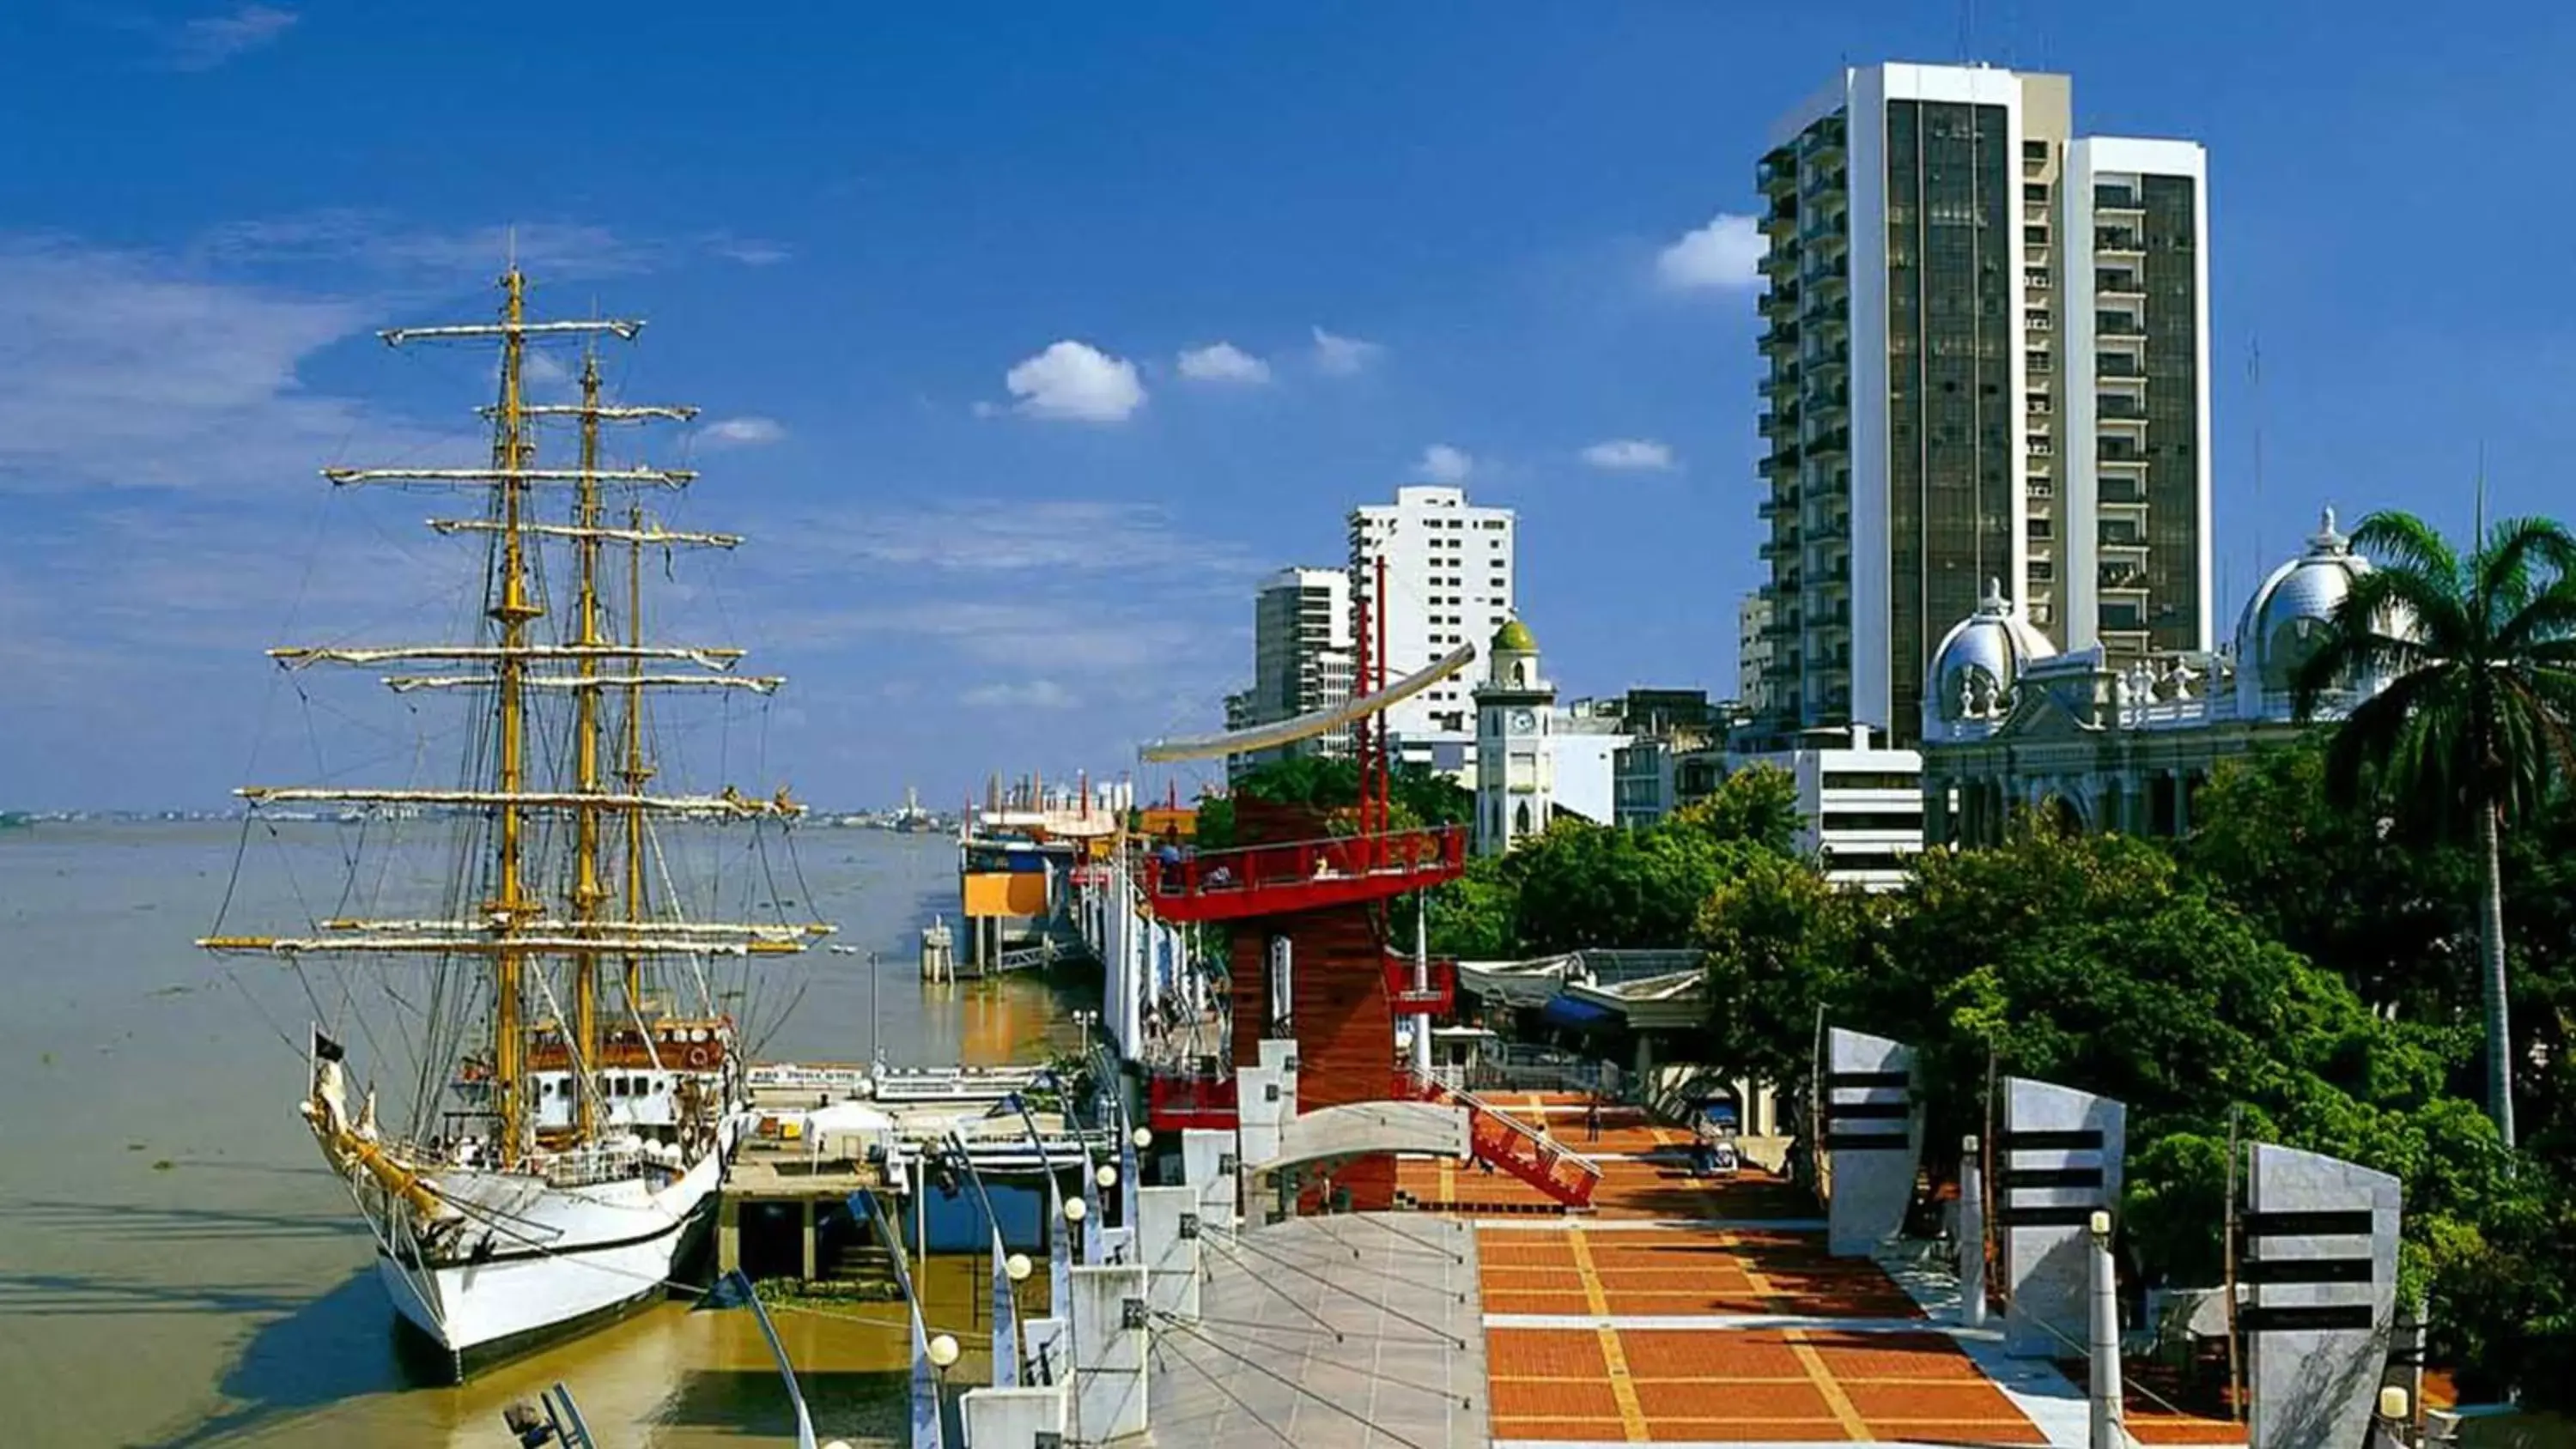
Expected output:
(1631, 1325)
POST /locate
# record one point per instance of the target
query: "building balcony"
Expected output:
(2118, 242)
(1780, 334)
(2122, 490)
(1784, 456)
(2117, 199)
(2122, 283)
(1834, 442)
(1824, 141)
(2116, 328)
(2119, 367)
(1834, 526)
(1777, 173)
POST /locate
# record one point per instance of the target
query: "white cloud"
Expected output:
(750, 251)
(548, 251)
(1223, 362)
(1442, 463)
(1078, 382)
(740, 433)
(122, 370)
(1036, 694)
(1049, 538)
(1631, 455)
(1726, 254)
(1340, 356)
(210, 41)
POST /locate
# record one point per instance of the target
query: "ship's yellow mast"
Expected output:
(636, 773)
(587, 890)
(514, 612)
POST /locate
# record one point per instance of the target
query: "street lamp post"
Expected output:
(1083, 1018)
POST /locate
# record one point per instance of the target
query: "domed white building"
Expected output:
(2120, 743)
(1979, 661)
(2285, 623)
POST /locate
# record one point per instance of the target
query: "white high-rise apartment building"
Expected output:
(1449, 577)
(1988, 358)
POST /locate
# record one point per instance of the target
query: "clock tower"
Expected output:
(1515, 765)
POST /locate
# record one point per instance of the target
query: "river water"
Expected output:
(176, 1267)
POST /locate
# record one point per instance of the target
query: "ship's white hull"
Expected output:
(539, 1262)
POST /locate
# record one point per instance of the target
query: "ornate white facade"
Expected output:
(2011, 724)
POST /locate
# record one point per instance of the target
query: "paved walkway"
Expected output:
(1687, 1311)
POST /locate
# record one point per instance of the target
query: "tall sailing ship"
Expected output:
(579, 1079)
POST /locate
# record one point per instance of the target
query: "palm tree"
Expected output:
(2477, 657)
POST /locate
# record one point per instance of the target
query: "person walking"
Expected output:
(1592, 1117)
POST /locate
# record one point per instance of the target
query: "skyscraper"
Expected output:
(1449, 575)
(1987, 348)
(1301, 643)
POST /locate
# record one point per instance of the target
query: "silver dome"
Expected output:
(1979, 659)
(2285, 623)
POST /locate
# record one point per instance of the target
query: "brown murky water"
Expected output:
(176, 1269)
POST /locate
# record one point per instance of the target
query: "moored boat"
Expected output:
(576, 1084)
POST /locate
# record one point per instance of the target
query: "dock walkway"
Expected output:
(1689, 1311)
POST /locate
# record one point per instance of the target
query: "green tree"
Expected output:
(1757, 805)
(2349, 889)
(1473, 918)
(1597, 886)
(2480, 658)
(1781, 944)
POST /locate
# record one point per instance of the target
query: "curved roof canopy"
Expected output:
(1306, 726)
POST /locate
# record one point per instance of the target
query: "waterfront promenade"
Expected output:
(1706, 1311)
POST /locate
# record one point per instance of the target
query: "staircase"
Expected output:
(1507, 1142)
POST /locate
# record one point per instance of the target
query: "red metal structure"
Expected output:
(1513, 1145)
(1311, 961)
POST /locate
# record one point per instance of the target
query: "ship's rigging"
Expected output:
(560, 913)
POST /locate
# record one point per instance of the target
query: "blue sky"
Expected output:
(1414, 225)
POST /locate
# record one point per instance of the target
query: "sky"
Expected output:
(1029, 337)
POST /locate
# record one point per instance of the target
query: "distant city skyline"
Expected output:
(1029, 343)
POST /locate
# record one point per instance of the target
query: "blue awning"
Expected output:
(1576, 1014)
